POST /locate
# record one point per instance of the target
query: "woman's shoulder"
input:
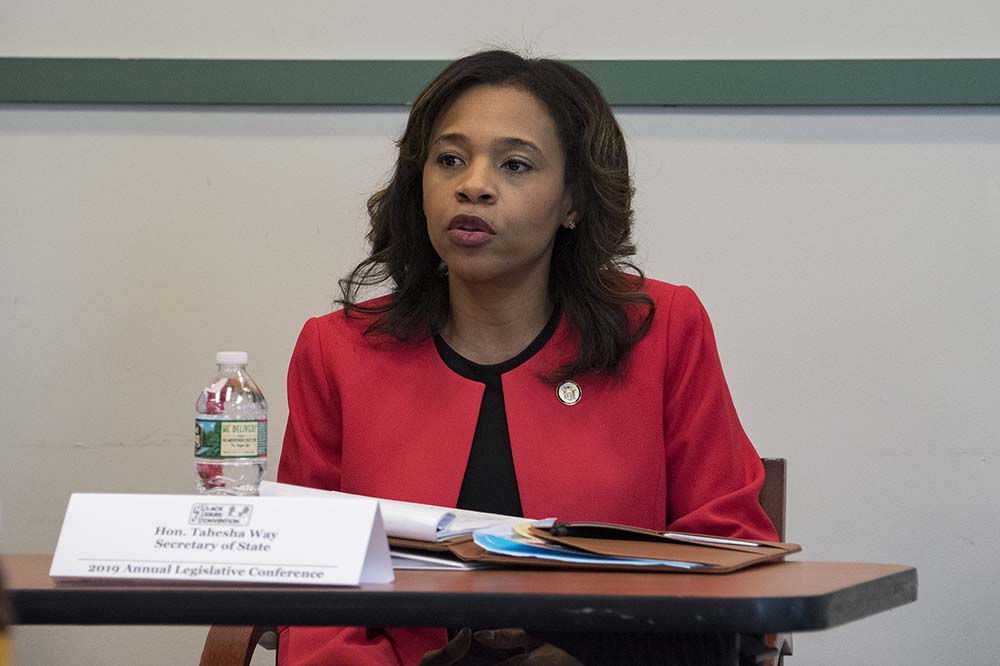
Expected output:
(668, 296)
(362, 313)
(352, 322)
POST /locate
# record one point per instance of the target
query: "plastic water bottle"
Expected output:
(230, 432)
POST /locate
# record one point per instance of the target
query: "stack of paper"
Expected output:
(426, 536)
(411, 527)
(409, 520)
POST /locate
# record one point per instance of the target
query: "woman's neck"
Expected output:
(490, 325)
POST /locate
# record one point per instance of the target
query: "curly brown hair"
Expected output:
(591, 279)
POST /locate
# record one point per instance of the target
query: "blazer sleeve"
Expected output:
(714, 475)
(311, 451)
(311, 456)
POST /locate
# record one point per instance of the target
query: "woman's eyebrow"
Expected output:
(506, 142)
(454, 137)
(517, 142)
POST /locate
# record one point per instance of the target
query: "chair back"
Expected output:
(772, 494)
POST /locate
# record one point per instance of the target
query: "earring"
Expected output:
(571, 225)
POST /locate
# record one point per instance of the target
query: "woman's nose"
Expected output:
(476, 184)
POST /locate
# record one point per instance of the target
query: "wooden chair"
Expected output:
(6, 618)
(772, 500)
(234, 646)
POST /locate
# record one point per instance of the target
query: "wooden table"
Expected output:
(779, 597)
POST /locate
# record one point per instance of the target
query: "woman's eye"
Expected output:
(516, 166)
(449, 160)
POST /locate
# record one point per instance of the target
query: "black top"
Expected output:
(490, 483)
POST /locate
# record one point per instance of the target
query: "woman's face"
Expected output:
(494, 190)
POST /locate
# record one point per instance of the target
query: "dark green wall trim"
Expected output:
(396, 82)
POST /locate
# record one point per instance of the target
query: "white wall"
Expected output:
(438, 29)
(848, 258)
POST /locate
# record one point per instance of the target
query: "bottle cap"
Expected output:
(231, 358)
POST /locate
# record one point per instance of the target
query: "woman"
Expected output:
(519, 365)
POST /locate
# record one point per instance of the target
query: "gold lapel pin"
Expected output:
(569, 393)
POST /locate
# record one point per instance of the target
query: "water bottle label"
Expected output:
(230, 439)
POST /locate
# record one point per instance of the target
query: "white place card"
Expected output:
(201, 538)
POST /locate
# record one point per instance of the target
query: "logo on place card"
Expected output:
(220, 514)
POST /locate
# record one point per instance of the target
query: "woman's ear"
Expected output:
(571, 217)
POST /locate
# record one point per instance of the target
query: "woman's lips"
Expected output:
(468, 238)
(469, 230)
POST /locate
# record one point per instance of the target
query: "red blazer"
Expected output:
(661, 447)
